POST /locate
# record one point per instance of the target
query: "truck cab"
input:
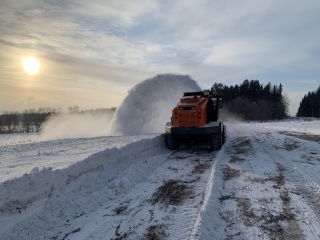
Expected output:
(195, 117)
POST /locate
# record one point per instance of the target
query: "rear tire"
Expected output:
(171, 142)
(224, 134)
(217, 140)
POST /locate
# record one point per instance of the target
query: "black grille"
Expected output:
(187, 108)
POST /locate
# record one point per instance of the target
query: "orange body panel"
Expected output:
(191, 111)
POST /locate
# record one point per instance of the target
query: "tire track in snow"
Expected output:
(298, 183)
(175, 220)
(246, 201)
(183, 225)
(204, 205)
(218, 212)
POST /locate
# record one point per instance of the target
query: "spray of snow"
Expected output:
(227, 116)
(145, 110)
(148, 105)
(77, 125)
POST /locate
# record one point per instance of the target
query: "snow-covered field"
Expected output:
(263, 184)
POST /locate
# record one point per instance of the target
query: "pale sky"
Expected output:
(92, 52)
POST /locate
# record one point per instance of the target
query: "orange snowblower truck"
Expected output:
(195, 118)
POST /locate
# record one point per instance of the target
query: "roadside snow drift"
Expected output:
(148, 105)
(57, 196)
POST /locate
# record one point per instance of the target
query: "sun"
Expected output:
(31, 65)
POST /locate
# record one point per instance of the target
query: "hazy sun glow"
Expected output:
(31, 65)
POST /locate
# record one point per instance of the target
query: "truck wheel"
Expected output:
(171, 142)
(224, 134)
(217, 142)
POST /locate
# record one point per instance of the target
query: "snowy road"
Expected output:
(266, 186)
(263, 184)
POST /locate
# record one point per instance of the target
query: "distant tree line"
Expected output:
(30, 121)
(310, 105)
(253, 101)
(24, 122)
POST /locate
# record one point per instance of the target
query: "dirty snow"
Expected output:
(263, 184)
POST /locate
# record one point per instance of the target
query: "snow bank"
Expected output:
(148, 105)
(83, 177)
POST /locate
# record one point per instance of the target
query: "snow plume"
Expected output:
(148, 105)
(78, 125)
(145, 110)
(227, 116)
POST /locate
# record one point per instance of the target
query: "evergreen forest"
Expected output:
(310, 105)
(252, 101)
